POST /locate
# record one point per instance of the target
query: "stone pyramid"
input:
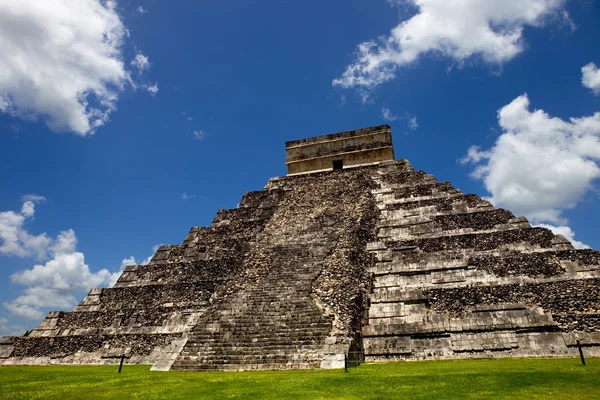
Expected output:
(352, 256)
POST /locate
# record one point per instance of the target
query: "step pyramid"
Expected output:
(353, 256)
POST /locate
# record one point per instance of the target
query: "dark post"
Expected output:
(580, 352)
(121, 364)
(346, 362)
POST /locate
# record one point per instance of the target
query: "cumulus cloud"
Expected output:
(141, 10)
(62, 61)
(7, 329)
(30, 304)
(590, 77)
(127, 261)
(15, 240)
(186, 196)
(52, 284)
(458, 29)
(540, 165)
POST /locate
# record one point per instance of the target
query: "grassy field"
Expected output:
(473, 379)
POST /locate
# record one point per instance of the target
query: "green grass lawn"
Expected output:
(505, 378)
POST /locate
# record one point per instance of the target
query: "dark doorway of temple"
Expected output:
(338, 164)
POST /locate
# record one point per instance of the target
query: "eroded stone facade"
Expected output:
(378, 262)
(456, 278)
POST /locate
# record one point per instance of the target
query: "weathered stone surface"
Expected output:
(375, 262)
(455, 278)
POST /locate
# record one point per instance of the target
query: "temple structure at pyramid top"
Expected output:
(341, 150)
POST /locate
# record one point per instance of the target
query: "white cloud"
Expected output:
(127, 261)
(540, 165)
(61, 61)
(30, 304)
(567, 233)
(152, 89)
(15, 240)
(24, 311)
(457, 29)
(64, 243)
(475, 155)
(67, 269)
(54, 283)
(186, 116)
(28, 209)
(141, 10)
(5, 106)
(186, 196)
(140, 62)
(590, 77)
(198, 134)
(567, 20)
(7, 329)
(388, 115)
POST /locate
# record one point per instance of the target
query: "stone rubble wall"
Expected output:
(279, 282)
(571, 301)
(84, 349)
(456, 278)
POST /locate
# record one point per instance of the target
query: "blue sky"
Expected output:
(123, 124)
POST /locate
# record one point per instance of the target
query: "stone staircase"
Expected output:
(274, 325)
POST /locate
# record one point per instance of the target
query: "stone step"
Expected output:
(282, 329)
(510, 263)
(237, 346)
(244, 360)
(530, 237)
(191, 366)
(424, 190)
(465, 325)
(442, 204)
(478, 219)
(271, 336)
